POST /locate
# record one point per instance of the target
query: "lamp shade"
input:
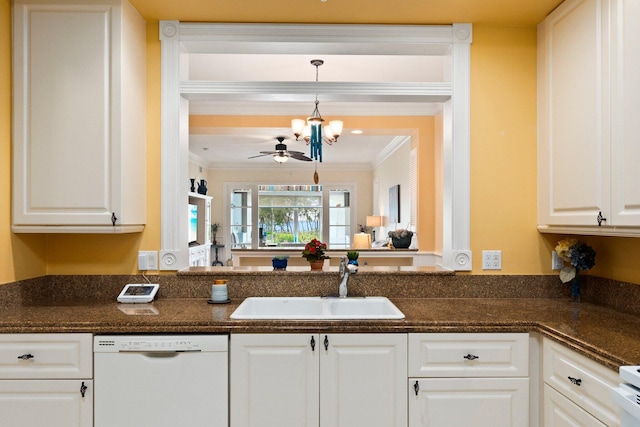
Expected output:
(374, 221)
(361, 241)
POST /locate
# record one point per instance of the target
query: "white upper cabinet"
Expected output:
(588, 63)
(78, 117)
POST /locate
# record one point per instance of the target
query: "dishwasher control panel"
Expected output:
(146, 345)
(161, 343)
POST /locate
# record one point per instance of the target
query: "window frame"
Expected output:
(228, 187)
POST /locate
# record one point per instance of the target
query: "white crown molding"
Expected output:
(393, 146)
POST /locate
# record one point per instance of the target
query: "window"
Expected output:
(240, 218)
(339, 219)
(289, 215)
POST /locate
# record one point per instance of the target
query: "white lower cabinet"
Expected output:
(51, 403)
(478, 402)
(46, 380)
(584, 383)
(328, 380)
(561, 412)
(468, 379)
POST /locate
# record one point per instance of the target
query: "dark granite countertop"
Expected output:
(605, 335)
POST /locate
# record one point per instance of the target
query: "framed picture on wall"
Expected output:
(394, 204)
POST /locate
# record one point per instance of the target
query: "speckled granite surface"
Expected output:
(430, 302)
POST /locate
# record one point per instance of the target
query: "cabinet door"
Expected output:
(478, 402)
(363, 380)
(625, 104)
(51, 403)
(573, 114)
(79, 148)
(274, 380)
(561, 412)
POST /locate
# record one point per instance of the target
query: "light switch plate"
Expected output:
(147, 260)
(557, 263)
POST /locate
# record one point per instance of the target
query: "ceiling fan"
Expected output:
(281, 154)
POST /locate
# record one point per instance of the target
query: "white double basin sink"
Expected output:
(316, 308)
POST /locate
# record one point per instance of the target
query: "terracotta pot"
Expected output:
(317, 264)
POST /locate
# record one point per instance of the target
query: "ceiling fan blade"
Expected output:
(264, 153)
(299, 156)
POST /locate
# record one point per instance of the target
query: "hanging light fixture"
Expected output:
(312, 130)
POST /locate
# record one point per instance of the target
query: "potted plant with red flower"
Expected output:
(314, 252)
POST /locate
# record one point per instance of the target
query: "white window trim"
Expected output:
(453, 40)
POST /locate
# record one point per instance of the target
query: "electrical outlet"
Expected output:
(557, 263)
(492, 260)
(147, 260)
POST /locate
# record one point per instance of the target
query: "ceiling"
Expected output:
(491, 12)
(230, 147)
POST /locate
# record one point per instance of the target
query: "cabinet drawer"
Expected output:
(581, 380)
(468, 355)
(560, 411)
(28, 356)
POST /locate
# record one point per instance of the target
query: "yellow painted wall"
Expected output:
(503, 174)
(503, 149)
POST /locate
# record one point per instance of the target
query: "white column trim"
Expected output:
(456, 242)
(174, 251)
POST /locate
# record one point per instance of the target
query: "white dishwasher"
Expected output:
(161, 381)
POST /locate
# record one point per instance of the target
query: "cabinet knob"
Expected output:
(416, 387)
(600, 219)
(313, 344)
(471, 357)
(83, 389)
(576, 381)
(26, 356)
(326, 343)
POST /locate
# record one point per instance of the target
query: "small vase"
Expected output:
(193, 185)
(202, 187)
(353, 262)
(316, 264)
(575, 289)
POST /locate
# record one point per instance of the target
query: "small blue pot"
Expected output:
(279, 264)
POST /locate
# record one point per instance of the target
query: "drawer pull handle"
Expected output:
(326, 343)
(313, 344)
(470, 357)
(416, 387)
(26, 356)
(576, 381)
(83, 389)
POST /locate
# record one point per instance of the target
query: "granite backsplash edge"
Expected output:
(80, 289)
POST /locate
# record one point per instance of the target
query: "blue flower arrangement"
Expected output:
(580, 255)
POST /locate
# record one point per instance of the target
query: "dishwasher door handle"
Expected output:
(159, 354)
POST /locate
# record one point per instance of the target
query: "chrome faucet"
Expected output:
(345, 270)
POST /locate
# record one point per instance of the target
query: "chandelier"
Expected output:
(312, 130)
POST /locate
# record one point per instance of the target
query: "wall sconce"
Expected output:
(362, 241)
(374, 221)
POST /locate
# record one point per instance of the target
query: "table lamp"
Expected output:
(361, 241)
